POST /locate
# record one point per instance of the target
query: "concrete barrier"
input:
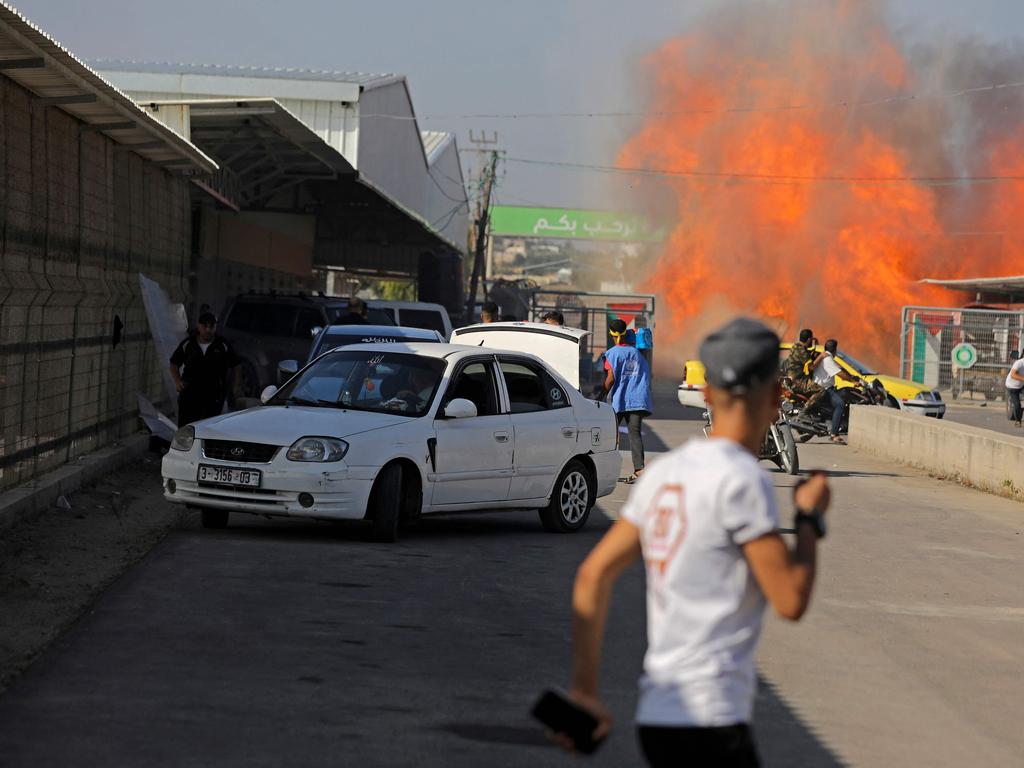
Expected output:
(973, 456)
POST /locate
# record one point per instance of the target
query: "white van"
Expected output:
(416, 314)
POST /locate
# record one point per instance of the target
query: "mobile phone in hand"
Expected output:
(563, 715)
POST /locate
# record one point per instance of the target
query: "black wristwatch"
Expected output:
(815, 518)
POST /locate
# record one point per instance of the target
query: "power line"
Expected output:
(841, 104)
(769, 177)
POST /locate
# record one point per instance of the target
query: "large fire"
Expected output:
(835, 244)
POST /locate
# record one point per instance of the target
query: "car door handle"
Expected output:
(569, 432)
(501, 437)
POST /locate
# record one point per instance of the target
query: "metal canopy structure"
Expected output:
(272, 161)
(1010, 290)
(262, 148)
(38, 63)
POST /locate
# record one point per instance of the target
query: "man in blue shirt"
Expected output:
(628, 379)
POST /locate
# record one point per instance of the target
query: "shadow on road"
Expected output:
(783, 738)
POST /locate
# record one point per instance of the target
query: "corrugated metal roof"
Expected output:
(40, 64)
(434, 143)
(994, 285)
(363, 79)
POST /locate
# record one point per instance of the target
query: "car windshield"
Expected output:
(858, 366)
(364, 380)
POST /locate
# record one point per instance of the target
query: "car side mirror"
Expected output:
(315, 331)
(286, 369)
(460, 408)
(268, 393)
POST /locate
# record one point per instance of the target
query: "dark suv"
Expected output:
(267, 328)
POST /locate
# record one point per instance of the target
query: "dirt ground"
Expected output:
(53, 567)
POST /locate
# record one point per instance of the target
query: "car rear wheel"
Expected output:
(215, 518)
(571, 500)
(386, 504)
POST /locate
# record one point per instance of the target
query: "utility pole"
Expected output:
(483, 206)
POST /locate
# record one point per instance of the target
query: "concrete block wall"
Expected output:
(80, 217)
(978, 457)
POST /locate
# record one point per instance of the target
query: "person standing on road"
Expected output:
(1014, 384)
(705, 522)
(824, 374)
(554, 317)
(199, 367)
(357, 313)
(628, 379)
(489, 312)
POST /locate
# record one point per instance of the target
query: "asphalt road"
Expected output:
(991, 415)
(287, 643)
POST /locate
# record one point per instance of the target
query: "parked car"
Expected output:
(265, 329)
(906, 395)
(415, 314)
(387, 432)
(334, 336)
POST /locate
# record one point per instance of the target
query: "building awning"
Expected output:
(41, 65)
(264, 150)
(1011, 287)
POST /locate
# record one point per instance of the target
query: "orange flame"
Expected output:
(842, 254)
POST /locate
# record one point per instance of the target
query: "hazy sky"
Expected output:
(462, 57)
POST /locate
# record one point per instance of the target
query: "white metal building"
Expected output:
(368, 118)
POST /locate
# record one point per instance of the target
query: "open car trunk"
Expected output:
(556, 345)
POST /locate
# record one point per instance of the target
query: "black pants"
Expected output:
(634, 421)
(1013, 395)
(726, 746)
(197, 403)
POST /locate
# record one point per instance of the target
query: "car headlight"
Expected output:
(183, 438)
(318, 449)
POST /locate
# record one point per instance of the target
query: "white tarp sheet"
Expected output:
(168, 325)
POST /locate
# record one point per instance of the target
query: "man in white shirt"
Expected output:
(1014, 384)
(824, 374)
(704, 520)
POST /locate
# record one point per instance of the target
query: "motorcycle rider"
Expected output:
(798, 369)
(824, 374)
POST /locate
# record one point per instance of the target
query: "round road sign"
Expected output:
(964, 355)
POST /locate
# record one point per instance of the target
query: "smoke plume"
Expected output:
(815, 156)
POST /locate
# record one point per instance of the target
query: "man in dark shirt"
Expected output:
(202, 385)
(357, 313)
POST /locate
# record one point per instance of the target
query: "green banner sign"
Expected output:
(567, 223)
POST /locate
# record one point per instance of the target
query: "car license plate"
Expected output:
(229, 476)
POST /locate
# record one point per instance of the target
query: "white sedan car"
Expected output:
(387, 432)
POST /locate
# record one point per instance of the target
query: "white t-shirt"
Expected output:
(695, 508)
(825, 370)
(1012, 383)
(205, 346)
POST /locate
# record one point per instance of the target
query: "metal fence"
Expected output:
(930, 335)
(78, 221)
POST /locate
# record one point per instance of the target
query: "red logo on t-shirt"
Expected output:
(666, 527)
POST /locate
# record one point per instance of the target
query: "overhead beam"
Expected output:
(74, 98)
(35, 62)
(122, 125)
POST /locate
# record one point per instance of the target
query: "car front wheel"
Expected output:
(571, 500)
(386, 504)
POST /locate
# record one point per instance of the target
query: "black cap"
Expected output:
(208, 318)
(617, 326)
(740, 355)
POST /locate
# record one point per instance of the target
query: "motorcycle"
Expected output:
(778, 445)
(818, 422)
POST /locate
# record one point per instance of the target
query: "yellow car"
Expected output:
(906, 395)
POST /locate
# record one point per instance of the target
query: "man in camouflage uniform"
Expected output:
(798, 369)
